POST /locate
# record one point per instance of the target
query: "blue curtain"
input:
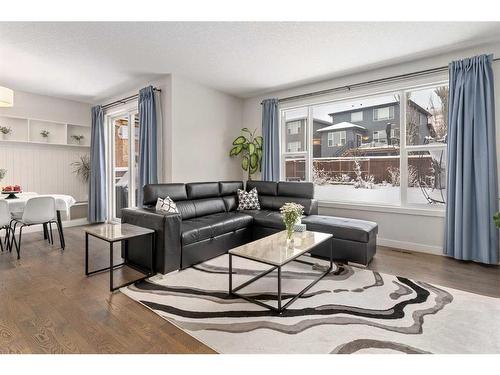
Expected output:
(148, 150)
(97, 182)
(270, 133)
(472, 171)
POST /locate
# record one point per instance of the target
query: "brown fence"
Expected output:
(370, 166)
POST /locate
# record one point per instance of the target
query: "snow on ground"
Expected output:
(387, 194)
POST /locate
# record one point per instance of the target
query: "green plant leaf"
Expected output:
(259, 153)
(254, 161)
(246, 130)
(259, 140)
(251, 148)
(244, 163)
(240, 140)
(236, 150)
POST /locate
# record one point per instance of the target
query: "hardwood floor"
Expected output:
(47, 305)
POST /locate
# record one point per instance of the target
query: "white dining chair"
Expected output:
(38, 210)
(5, 220)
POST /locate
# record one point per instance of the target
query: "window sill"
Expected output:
(408, 210)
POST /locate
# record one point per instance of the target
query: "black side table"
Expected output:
(112, 233)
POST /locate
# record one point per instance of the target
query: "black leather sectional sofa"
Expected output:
(208, 223)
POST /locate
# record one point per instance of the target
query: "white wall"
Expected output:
(199, 124)
(415, 231)
(204, 124)
(44, 168)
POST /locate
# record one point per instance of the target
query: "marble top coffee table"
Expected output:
(275, 251)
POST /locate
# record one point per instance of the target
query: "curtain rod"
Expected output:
(367, 83)
(125, 100)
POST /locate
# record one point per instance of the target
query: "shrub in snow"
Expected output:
(360, 182)
(395, 176)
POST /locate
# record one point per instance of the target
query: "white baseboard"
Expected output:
(66, 224)
(418, 247)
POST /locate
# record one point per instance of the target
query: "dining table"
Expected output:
(63, 204)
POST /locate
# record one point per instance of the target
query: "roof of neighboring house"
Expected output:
(341, 126)
(372, 102)
(365, 103)
(317, 120)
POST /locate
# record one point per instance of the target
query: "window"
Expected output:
(357, 116)
(336, 139)
(395, 133)
(294, 146)
(384, 113)
(293, 127)
(406, 169)
(380, 136)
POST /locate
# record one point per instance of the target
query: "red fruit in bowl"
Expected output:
(17, 188)
(8, 188)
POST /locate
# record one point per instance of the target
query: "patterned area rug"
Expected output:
(351, 310)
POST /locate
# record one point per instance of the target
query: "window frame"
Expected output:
(295, 143)
(298, 124)
(401, 89)
(340, 138)
(391, 116)
(354, 113)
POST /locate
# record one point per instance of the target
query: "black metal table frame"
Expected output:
(280, 307)
(111, 267)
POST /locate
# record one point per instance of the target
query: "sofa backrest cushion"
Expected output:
(229, 187)
(263, 187)
(228, 192)
(200, 207)
(177, 192)
(199, 190)
(296, 189)
(273, 195)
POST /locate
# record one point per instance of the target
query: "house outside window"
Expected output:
(294, 146)
(336, 139)
(384, 113)
(357, 116)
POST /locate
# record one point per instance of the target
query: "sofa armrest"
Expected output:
(167, 227)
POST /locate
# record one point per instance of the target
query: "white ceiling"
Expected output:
(91, 61)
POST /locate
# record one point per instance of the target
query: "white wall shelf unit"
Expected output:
(28, 130)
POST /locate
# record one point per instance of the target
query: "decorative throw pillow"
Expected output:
(248, 200)
(166, 205)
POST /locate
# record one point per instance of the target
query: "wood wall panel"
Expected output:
(43, 168)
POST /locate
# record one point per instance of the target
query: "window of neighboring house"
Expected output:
(294, 146)
(395, 133)
(380, 136)
(293, 127)
(357, 116)
(384, 113)
(336, 139)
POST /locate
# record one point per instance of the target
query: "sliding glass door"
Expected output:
(123, 132)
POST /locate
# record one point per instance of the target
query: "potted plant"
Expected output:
(82, 167)
(291, 214)
(5, 130)
(3, 172)
(77, 137)
(249, 147)
(45, 135)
